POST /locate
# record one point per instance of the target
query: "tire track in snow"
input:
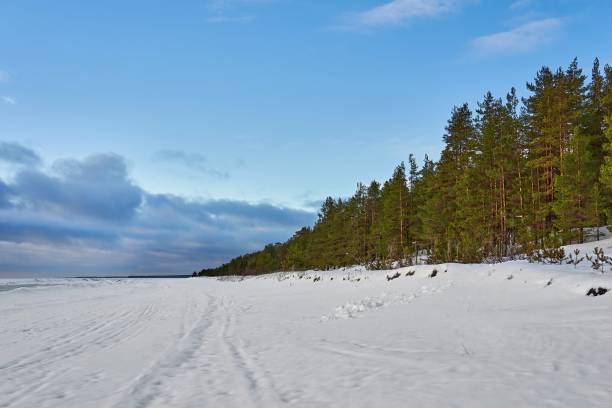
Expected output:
(78, 339)
(255, 382)
(151, 385)
(71, 345)
(31, 374)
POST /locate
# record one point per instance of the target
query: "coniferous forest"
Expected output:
(515, 175)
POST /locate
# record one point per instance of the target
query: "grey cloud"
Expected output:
(33, 229)
(97, 221)
(257, 213)
(17, 154)
(96, 187)
(192, 161)
(4, 194)
(314, 204)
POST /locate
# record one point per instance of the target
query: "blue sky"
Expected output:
(155, 136)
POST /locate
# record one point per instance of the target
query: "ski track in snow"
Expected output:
(467, 337)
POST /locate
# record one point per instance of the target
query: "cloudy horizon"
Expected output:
(89, 217)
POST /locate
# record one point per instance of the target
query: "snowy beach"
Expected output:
(306, 204)
(511, 334)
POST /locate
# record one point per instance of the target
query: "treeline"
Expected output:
(514, 176)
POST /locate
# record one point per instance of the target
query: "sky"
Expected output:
(163, 137)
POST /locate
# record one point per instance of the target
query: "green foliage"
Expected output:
(507, 183)
(576, 191)
(606, 167)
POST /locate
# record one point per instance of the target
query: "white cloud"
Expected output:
(396, 12)
(9, 100)
(520, 4)
(524, 38)
(229, 11)
(219, 19)
(223, 4)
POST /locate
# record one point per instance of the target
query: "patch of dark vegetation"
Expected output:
(394, 276)
(575, 258)
(433, 273)
(549, 282)
(510, 277)
(548, 255)
(379, 265)
(410, 273)
(599, 260)
(597, 291)
(316, 279)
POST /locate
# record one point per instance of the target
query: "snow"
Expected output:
(468, 337)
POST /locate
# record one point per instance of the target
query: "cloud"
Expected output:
(396, 12)
(220, 5)
(17, 154)
(314, 204)
(32, 228)
(524, 38)
(87, 216)
(8, 100)
(96, 187)
(518, 4)
(257, 215)
(223, 10)
(192, 161)
(220, 19)
(4, 195)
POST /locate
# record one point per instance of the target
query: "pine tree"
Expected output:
(594, 115)
(552, 112)
(423, 195)
(412, 209)
(413, 172)
(443, 216)
(394, 225)
(374, 251)
(606, 168)
(575, 190)
(606, 165)
(514, 184)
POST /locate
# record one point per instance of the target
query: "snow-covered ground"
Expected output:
(505, 335)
